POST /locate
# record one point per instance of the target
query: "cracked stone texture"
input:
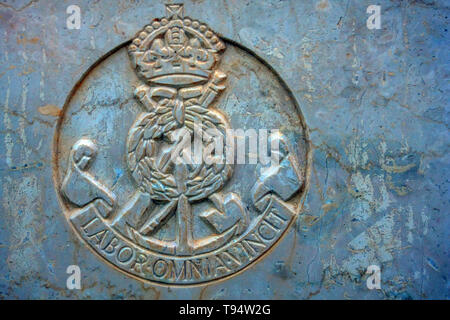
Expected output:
(376, 102)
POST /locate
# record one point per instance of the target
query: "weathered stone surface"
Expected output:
(376, 103)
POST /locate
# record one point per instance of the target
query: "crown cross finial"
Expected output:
(174, 11)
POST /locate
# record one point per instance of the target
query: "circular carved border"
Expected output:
(259, 255)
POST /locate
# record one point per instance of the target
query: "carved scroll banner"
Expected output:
(187, 270)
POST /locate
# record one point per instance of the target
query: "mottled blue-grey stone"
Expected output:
(376, 103)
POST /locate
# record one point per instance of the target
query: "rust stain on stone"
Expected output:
(10, 68)
(322, 5)
(50, 110)
(27, 71)
(328, 206)
(22, 39)
(397, 168)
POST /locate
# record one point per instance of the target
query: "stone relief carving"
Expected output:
(79, 187)
(281, 180)
(183, 223)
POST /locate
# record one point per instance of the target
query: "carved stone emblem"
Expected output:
(128, 122)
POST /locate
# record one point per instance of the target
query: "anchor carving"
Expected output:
(177, 61)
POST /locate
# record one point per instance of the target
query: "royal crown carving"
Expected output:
(175, 50)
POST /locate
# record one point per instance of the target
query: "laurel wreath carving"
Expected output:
(142, 145)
